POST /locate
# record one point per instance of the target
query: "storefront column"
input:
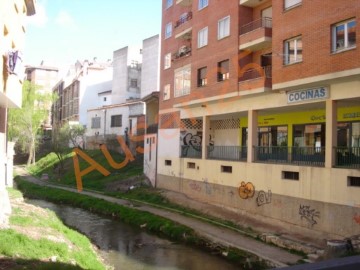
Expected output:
(331, 133)
(206, 136)
(252, 134)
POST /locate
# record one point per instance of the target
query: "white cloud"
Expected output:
(65, 19)
(40, 17)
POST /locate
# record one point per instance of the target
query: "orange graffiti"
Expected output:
(357, 218)
(247, 190)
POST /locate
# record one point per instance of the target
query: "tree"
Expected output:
(64, 138)
(25, 123)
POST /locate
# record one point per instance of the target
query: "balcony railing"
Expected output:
(312, 156)
(260, 23)
(254, 73)
(152, 129)
(183, 19)
(234, 153)
(190, 151)
(183, 51)
(347, 157)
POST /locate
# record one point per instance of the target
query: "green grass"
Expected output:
(20, 248)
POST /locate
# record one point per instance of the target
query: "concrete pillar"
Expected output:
(252, 134)
(9, 180)
(331, 133)
(206, 136)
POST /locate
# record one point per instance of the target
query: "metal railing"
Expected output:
(190, 151)
(260, 23)
(313, 156)
(236, 153)
(347, 157)
(254, 73)
(183, 51)
(183, 19)
(152, 129)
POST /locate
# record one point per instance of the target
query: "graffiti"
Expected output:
(357, 218)
(231, 193)
(191, 142)
(195, 187)
(247, 190)
(207, 186)
(309, 214)
(263, 198)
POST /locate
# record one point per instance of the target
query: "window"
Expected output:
(168, 30)
(167, 61)
(203, 37)
(191, 165)
(182, 81)
(344, 35)
(166, 92)
(293, 51)
(226, 169)
(95, 122)
(289, 175)
(353, 181)
(167, 162)
(224, 27)
(291, 3)
(116, 120)
(134, 83)
(223, 70)
(203, 3)
(201, 77)
(104, 98)
(169, 3)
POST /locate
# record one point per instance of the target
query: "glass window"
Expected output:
(168, 30)
(95, 122)
(224, 27)
(167, 61)
(203, 3)
(309, 135)
(293, 51)
(291, 3)
(166, 94)
(273, 136)
(182, 81)
(223, 70)
(201, 76)
(116, 120)
(344, 35)
(203, 37)
(169, 3)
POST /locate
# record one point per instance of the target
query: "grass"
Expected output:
(25, 243)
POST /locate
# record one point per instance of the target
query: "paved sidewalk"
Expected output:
(221, 235)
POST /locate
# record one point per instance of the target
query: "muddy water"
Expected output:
(126, 247)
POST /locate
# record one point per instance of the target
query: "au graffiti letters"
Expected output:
(263, 198)
(309, 214)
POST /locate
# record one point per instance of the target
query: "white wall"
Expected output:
(120, 76)
(150, 156)
(150, 66)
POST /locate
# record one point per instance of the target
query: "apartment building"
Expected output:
(12, 15)
(260, 109)
(44, 77)
(80, 89)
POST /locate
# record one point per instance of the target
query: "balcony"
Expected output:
(308, 156)
(231, 153)
(251, 3)
(184, 2)
(256, 35)
(347, 157)
(255, 80)
(191, 151)
(182, 52)
(183, 19)
(12, 96)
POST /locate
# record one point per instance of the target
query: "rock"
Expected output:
(53, 258)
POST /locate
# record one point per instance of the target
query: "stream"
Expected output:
(126, 247)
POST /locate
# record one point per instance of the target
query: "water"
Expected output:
(125, 247)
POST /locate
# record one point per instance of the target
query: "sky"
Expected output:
(63, 31)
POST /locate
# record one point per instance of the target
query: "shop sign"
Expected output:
(307, 94)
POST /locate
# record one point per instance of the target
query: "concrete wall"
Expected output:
(119, 82)
(150, 66)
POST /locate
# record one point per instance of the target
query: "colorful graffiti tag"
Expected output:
(247, 190)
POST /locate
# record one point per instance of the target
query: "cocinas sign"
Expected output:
(307, 94)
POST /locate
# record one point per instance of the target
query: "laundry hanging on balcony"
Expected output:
(12, 62)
